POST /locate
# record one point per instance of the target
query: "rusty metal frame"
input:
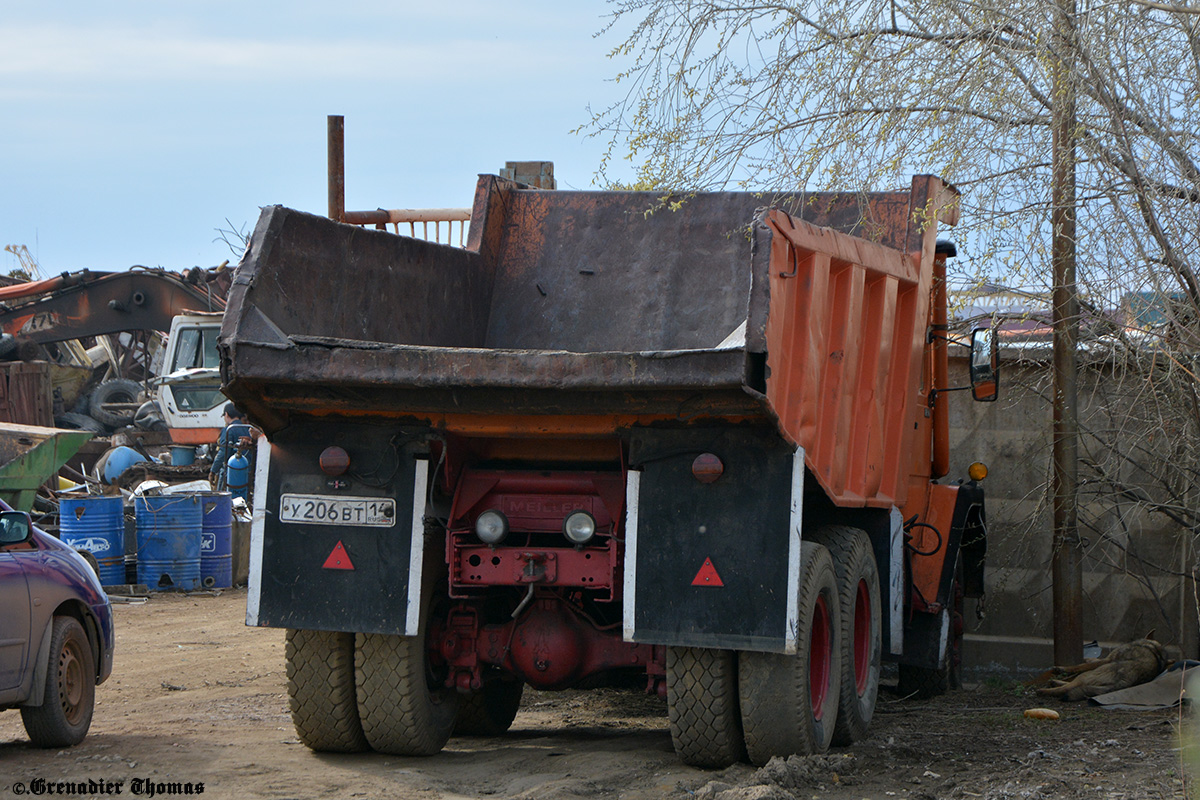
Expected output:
(96, 303)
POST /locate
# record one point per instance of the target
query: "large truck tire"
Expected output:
(789, 702)
(702, 706)
(320, 673)
(118, 390)
(148, 417)
(862, 629)
(490, 711)
(405, 708)
(922, 683)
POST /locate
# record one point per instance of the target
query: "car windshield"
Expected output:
(197, 348)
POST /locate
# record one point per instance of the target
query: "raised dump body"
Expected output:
(684, 437)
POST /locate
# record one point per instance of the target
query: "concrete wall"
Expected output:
(1137, 567)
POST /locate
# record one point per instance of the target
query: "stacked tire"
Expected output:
(112, 405)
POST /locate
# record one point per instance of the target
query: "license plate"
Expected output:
(319, 509)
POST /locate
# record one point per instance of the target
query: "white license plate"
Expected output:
(320, 509)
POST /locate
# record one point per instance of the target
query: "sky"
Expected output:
(132, 132)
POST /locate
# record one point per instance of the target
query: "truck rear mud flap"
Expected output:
(339, 552)
(713, 563)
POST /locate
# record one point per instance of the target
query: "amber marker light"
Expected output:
(334, 461)
(707, 468)
(977, 471)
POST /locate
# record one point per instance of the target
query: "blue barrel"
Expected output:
(96, 524)
(216, 540)
(168, 536)
(182, 455)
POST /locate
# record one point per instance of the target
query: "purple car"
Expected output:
(56, 632)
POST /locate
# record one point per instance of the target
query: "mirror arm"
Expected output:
(933, 393)
(958, 340)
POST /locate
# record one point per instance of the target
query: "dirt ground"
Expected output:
(196, 697)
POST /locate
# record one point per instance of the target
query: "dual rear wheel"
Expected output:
(351, 692)
(726, 706)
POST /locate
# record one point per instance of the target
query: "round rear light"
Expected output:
(707, 468)
(334, 461)
(579, 527)
(977, 471)
(491, 527)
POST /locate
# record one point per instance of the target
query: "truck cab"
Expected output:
(190, 386)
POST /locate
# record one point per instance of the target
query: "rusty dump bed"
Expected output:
(596, 303)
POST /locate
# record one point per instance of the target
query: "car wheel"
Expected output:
(922, 683)
(65, 714)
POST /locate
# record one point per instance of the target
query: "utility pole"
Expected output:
(1067, 568)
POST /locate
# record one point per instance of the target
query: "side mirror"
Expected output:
(15, 527)
(985, 365)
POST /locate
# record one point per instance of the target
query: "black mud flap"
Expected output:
(927, 635)
(339, 553)
(709, 564)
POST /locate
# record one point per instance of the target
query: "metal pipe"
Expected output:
(406, 215)
(337, 168)
(941, 372)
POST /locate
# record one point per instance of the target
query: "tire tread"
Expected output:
(777, 719)
(702, 706)
(853, 558)
(321, 691)
(399, 715)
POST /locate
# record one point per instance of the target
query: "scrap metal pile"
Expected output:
(91, 352)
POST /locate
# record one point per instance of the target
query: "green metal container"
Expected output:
(30, 456)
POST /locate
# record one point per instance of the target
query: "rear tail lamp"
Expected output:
(334, 461)
(579, 527)
(707, 468)
(491, 527)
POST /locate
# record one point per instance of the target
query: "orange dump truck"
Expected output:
(611, 437)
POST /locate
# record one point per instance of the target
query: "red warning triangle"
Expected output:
(707, 576)
(338, 559)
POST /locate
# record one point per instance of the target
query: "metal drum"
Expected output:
(168, 536)
(216, 540)
(96, 524)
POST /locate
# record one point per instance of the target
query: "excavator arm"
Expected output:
(87, 303)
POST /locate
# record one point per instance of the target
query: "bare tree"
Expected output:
(236, 238)
(781, 96)
(776, 96)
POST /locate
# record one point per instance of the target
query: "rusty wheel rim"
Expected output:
(820, 648)
(863, 636)
(71, 682)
